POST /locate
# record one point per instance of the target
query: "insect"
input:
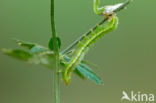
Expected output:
(92, 36)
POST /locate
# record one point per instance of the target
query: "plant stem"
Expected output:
(104, 20)
(56, 52)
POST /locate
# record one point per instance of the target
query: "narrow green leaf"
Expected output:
(78, 73)
(34, 48)
(19, 54)
(51, 47)
(90, 64)
(38, 49)
(88, 73)
(25, 44)
(45, 59)
(51, 43)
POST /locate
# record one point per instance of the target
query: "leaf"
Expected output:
(88, 73)
(59, 42)
(51, 43)
(34, 48)
(38, 49)
(39, 54)
(45, 59)
(25, 44)
(89, 64)
(19, 54)
(78, 73)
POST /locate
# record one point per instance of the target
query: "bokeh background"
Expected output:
(126, 58)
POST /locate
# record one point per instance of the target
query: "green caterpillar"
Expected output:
(85, 44)
(92, 36)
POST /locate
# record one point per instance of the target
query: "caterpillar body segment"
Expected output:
(73, 64)
(85, 44)
(98, 10)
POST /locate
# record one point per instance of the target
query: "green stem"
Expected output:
(56, 52)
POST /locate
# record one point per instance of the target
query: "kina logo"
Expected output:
(137, 97)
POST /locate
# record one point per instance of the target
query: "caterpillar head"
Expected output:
(66, 77)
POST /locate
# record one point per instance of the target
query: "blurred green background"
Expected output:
(126, 57)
